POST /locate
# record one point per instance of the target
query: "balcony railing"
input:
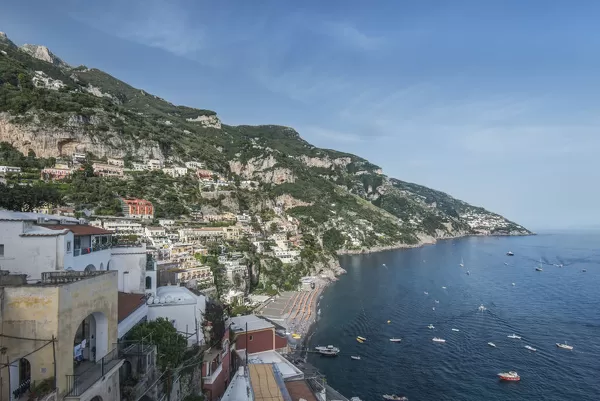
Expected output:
(93, 248)
(78, 384)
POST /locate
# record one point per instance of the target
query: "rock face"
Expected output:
(325, 162)
(59, 142)
(262, 169)
(44, 54)
(207, 121)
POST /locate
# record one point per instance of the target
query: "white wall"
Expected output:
(32, 255)
(187, 314)
(132, 260)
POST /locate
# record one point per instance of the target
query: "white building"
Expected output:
(124, 227)
(166, 222)
(194, 165)
(175, 171)
(154, 164)
(235, 267)
(155, 231)
(139, 166)
(183, 307)
(10, 169)
(286, 255)
(116, 162)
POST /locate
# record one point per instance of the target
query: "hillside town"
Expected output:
(82, 294)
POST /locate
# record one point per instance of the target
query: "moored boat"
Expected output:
(394, 397)
(438, 340)
(491, 344)
(514, 336)
(530, 348)
(395, 340)
(455, 330)
(509, 376)
(329, 350)
(509, 253)
(431, 326)
(361, 338)
(356, 358)
(564, 346)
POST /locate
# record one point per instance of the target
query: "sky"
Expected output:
(493, 102)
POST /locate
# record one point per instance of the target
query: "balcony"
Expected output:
(88, 373)
(214, 375)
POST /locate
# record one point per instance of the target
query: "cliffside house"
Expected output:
(137, 208)
(55, 173)
(10, 170)
(107, 170)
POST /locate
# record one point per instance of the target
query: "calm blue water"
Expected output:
(556, 305)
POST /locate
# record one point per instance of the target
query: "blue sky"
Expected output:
(494, 102)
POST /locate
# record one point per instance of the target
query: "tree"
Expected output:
(26, 198)
(170, 344)
(274, 228)
(215, 319)
(237, 280)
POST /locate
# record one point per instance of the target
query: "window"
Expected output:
(251, 338)
(68, 246)
(148, 283)
(1, 249)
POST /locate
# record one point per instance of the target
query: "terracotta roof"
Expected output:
(79, 229)
(128, 303)
(299, 389)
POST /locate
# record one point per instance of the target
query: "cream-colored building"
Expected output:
(62, 330)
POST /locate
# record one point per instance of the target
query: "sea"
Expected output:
(393, 294)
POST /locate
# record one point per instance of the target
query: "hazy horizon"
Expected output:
(494, 104)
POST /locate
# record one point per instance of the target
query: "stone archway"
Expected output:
(90, 342)
(96, 398)
(90, 268)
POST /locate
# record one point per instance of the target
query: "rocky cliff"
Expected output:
(55, 110)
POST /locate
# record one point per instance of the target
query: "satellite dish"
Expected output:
(150, 300)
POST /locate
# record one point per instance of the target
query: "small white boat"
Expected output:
(438, 340)
(436, 301)
(384, 265)
(425, 292)
(509, 253)
(505, 264)
(395, 340)
(394, 397)
(509, 376)
(361, 338)
(481, 308)
(430, 326)
(356, 358)
(564, 346)
(443, 288)
(516, 337)
(455, 330)
(530, 348)
(492, 344)
(433, 308)
(513, 284)
(462, 262)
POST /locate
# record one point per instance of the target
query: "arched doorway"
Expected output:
(90, 268)
(90, 343)
(148, 283)
(96, 398)
(110, 265)
(24, 379)
(101, 266)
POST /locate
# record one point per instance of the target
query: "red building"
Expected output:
(255, 334)
(216, 370)
(137, 208)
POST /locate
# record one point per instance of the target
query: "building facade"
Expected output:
(137, 208)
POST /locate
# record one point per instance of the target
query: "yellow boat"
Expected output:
(359, 340)
(296, 336)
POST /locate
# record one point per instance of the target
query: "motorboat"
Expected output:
(455, 330)
(443, 288)
(462, 262)
(395, 340)
(433, 308)
(361, 338)
(539, 269)
(505, 263)
(491, 344)
(438, 340)
(329, 350)
(530, 348)
(384, 265)
(436, 301)
(468, 273)
(481, 308)
(516, 337)
(425, 292)
(513, 284)
(356, 358)
(394, 397)
(564, 346)
(431, 326)
(389, 321)
(509, 376)
(509, 253)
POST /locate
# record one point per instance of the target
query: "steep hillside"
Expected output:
(55, 110)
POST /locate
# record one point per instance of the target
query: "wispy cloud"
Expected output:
(349, 35)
